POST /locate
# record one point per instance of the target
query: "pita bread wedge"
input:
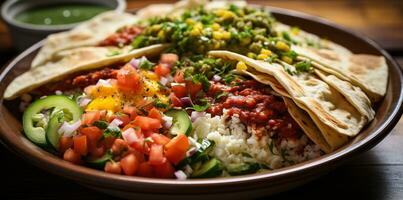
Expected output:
(311, 94)
(89, 33)
(306, 39)
(369, 72)
(72, 61)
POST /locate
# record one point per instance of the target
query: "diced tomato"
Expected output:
(139, 155)
(93, 134)
(155, 113)
(165, 170)
(131, 111)
(65, 143)
(113, 167)
(147, 123)
(179, 90)
(71, 156)
(160, 139)
(145, 170)
(124, 118)
(157, 155)
(97, 151)
(162, 69)
(175, 150)
(169, 58)
(108, 141)
(129, 80)
(179, 77)
(148, 133)
(90, 117)
(130, 164)
(194, 88)
(176, 102)
(80, 144)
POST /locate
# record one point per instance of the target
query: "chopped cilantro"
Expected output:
(112, 131)
(139, 41)
(101, 124)
(200, 78)
(159, 104)
(113, 53)
(221, 94)
(303, 66)
(201, 108)
(146, 64)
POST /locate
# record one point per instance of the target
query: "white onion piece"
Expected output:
(135, 63)
(84, 101)
(129, 135)
(67, 129)
(216, 78)
(191, 151)
(164, 81)
(194, 115)
(194, 142)
(115, 123)
(103, 82)
(180, 175)
(167, 121)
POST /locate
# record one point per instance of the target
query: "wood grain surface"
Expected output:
(376, 174)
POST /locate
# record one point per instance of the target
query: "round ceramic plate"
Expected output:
(388, 113)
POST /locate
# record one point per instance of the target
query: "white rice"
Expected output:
(235, 143)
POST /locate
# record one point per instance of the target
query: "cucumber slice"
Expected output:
(209, 169)
(242, 169)
(181, 123)
(37, 134)
(99, 163)
(202, 153)
(52, 136)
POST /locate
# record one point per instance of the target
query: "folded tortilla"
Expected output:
(73, 61)
(369, 72)
(89, 33)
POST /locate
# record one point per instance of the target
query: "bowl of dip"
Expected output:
(31, 21)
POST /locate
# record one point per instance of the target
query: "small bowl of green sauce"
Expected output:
(31, 21)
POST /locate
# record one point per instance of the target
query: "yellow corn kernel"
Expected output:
(266, 52)
(295, 30)
(195, 32)
(190, 21)
(225, 14)
(282, 46)
(251, 55)
(163, 99)
(262, 56)
(150, 75)
(286, 59)
(107, 103)
(240, 66)
(217, 35)
(226, 35)
(161, 34)
(216, 26)
(198, 26)
(220, 12)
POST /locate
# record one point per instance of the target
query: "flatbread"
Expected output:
(369, 72)
(306, 39)
(311, 94)
(353, 94)
(89, 33)
(72, 61)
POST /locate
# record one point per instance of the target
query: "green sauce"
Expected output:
(60, 14)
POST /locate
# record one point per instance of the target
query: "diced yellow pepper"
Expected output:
(262, 56)
(240, 66)
(282, 46)
(106, 103)
(286, 59)
(164, 99)
(102, 91)
(216, 26)
(217, 35)
(151, 87)
(150, 75)
(265, 52)
(226, 35)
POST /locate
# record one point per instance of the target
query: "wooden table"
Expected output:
(376, 174)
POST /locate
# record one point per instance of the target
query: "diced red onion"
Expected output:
(129, 135)
(216, 78)
(135, 62)
(115, 123)
(180, 175)
(84, 101)
(186, 101)
(167, 121)
(67, 129)
(164, 81)
(104, 82)
(194, 115)
(191, 151)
